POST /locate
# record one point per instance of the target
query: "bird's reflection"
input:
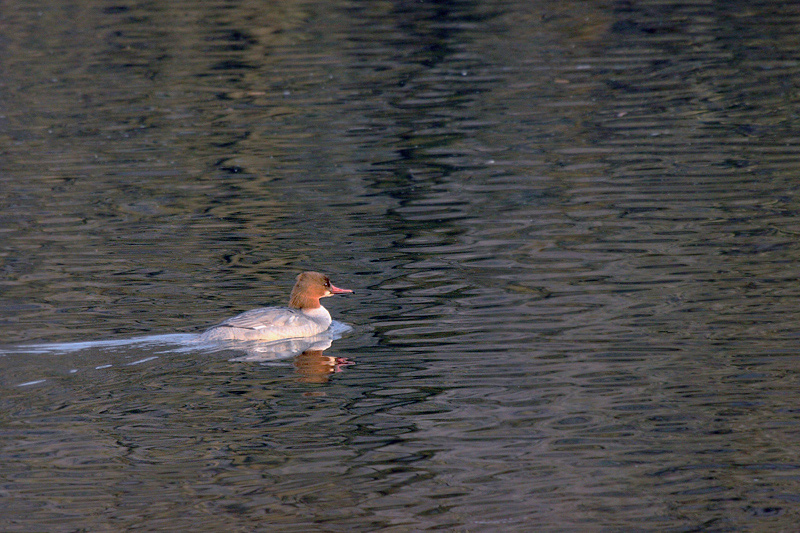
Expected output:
(314, 367)
(310, 362)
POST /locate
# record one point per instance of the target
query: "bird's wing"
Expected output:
(264, 318)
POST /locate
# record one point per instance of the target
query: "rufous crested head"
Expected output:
(309, 288)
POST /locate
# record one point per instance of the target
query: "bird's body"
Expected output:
(304, 317)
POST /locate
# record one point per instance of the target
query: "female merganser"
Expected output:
(303, 318)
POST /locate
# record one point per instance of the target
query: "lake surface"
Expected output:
(571, 227)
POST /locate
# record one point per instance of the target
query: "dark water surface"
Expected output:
(572, 228)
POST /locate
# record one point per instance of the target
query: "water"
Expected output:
(571, 226)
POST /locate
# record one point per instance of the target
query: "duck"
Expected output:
(304, 317)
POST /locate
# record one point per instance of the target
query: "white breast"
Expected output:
(320, 315)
